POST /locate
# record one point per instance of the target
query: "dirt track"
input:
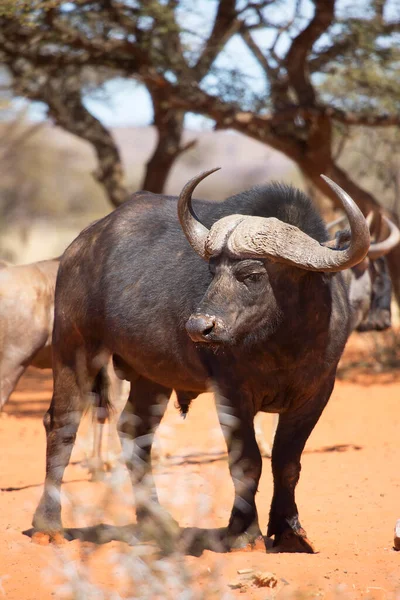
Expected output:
(348, 498)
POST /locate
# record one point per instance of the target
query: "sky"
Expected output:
(127, 103)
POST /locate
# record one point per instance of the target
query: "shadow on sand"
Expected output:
(36, 485)
(30, 408)
(335, 448)
(192, 541)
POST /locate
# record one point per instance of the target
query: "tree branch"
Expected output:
(60, 44)
(63, 97)
(330, 53)
(352, 118)
(66, 108)
(296, 58)
(278, 82)
(257, 52)
(225, 26)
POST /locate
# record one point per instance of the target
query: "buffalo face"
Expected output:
(239, 301)
(254, 261)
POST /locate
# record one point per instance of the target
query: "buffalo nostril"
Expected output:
(199, 327)
(208, 329)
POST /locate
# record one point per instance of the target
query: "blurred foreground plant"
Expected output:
(111, 558)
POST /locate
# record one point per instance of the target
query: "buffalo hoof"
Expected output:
(242, 544)
(249, 541)
(293, 541)
(43, 539)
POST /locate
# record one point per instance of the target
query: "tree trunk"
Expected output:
(68, 111)
(158, 169)
(169, 124)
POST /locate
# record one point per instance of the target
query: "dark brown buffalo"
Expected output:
(370, 294)
(257, 309)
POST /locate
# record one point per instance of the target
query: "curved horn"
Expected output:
(271, 238)
(360, 236)
(379, 249)
(195, 231)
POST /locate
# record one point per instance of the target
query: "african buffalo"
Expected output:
(370, 293)
(26, 320)
(26, 325)
(369, 282)
(259, 311)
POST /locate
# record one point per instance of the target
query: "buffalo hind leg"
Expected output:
(293, 430)
(102, 459)
(139, 420)
(245, 465)
(61, 423)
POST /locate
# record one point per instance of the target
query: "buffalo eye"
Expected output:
(250, 272)
(254, 277)
(251, 278)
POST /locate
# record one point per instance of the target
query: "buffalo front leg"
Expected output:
(61, 423)
(292, 432)
(139, 420)
(245, 465)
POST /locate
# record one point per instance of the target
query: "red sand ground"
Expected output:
(348, 498)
